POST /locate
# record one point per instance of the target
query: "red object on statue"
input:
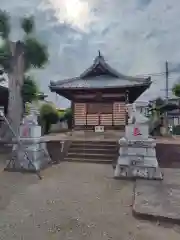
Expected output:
(136, 132)
(26, 132)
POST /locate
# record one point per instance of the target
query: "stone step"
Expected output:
(95, 150)
(93, 146)
(100, 143)
(90, 160)
(99, 156)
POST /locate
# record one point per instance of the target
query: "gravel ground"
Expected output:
(73, 201)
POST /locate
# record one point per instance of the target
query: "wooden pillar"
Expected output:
(72, 109)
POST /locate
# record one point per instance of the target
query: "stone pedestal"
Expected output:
(30, 131)
(137, 153)
(29, 151)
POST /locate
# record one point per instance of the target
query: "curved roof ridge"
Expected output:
(111, 73)
(99, 60)
(68, 80)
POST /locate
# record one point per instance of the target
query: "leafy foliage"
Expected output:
(48, 115)
(27, 24)
(5, 55)
(47, 108)
(36, 54)
(4, 24)
(68, 113)
(176, 90)
(68, 117)
(29, 90)
(159, 102)
(154, 108)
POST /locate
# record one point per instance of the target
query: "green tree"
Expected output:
(29, 90)
(159, 102)
(16, 59)
(176, 90)
(68, 117)
(48, 115)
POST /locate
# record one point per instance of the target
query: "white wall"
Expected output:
(58, 126)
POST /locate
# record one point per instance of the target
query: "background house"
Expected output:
(143, 107)
(174, 115)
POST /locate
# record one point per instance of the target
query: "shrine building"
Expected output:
(99, 95)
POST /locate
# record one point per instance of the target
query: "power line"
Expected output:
(155, 74)
(151, 74)
(169, 90)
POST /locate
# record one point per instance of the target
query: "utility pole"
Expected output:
(167, 94)
(167, 82)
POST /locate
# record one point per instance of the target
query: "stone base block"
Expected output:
(144, 161)
(138, 143)
(32, 157)
(122, 171)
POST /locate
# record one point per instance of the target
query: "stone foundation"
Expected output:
(29, 155)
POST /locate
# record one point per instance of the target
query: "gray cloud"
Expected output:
(135, 36)
(143, 4)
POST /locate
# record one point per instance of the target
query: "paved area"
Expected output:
(90, 136)
(73, 201)
(106, 136)
(159, 199)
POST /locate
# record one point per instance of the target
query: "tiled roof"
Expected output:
(97, 82)
(100, 75)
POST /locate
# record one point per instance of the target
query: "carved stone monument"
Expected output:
(29, 151)
(137, 154)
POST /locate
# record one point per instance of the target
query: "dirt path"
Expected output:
(73, 201)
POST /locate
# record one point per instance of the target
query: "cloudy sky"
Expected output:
(135, 36)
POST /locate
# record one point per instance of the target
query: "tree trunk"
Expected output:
(47, 127)
(15, 104)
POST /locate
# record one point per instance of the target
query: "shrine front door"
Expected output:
(100, 114)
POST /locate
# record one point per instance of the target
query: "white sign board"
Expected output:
(99, 128)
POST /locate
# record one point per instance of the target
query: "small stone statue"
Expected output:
(132, 113)
(31, 118)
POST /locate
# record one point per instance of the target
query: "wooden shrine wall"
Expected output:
(79, 114)
(105, 114)
(119, 113)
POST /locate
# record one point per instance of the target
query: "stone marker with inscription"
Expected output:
(137, 153)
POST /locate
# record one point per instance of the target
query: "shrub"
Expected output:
(48, 115)
(68, 117)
